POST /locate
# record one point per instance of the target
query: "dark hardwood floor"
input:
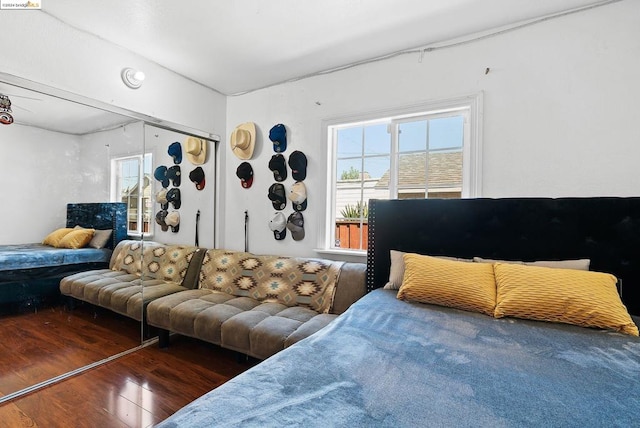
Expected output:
(136, 390)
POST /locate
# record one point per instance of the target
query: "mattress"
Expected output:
(32, 256)
(386, 362)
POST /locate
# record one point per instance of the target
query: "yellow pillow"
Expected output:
(587, 299)
(467, 286)
(77, 238)
(54, 237)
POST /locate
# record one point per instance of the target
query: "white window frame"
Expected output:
(115, 197)
(471, 153)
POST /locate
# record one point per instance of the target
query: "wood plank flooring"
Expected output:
(136, 390)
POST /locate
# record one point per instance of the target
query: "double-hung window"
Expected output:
(429, 151)
(131, 183)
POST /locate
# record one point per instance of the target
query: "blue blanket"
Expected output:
(32, 256)
(386, 362)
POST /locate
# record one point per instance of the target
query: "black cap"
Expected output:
(197, 176)
(173, 174)
(173, 196)
(277, 196)
(245, 174)
(298, 165)
(278, 165)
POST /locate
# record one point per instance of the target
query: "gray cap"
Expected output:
(295, 224)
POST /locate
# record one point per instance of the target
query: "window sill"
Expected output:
(361, 255)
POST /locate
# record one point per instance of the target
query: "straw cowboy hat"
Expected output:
(243, 140)
(196, 149)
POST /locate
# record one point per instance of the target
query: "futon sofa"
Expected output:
(138, 273)
(254, 304)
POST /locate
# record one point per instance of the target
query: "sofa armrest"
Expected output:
(350, 287)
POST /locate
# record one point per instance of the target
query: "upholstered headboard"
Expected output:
(605, 230)
(102, 215)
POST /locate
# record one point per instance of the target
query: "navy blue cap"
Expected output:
(278, 134)
(161, 175)
(175, 151)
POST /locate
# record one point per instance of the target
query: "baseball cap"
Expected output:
(160, 174)
(295, 224)
(278, 224)
(161, 217)
(298, 165)
(277, 196)
(278, 135)
(173, 196)
(245, 174)
(298, 196)
(278, 165)
(161, 198)
(175, 151)
(173, 220)
(197, 176)
(173, 174)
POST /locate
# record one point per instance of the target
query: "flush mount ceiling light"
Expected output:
(132, 78)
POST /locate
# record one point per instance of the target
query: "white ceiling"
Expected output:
(241, 45)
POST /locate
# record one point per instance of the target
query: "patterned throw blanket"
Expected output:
(287, 280)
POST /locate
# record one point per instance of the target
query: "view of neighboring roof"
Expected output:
(445, 170)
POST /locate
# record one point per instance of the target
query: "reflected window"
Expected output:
(422, 154)
(131, 183)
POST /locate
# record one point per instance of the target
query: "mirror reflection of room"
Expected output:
(67, 215)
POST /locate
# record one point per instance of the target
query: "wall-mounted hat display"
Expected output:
(196, 149)
(161, 198)
(243, 140)
(298, 196)
(175, 151)
(173, 174)
(277, 196)
(197, 176)
(278, 224)
(278, 135)
(160, 174)
(245, 174)
(173, 221)
(278, 166)
(298, 165)
(173, 196)
(161, 217)
(295, 223)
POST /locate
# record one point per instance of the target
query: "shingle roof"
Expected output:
(445, 170)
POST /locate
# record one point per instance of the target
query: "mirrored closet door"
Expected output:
(58, 158)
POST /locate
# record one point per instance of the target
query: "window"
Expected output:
(429, 151)
(131, 183)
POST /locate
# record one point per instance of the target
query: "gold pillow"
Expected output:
(77, 238)
(587, 299)
(467, 286)
(54, 237)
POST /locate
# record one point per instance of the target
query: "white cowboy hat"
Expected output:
(196, 149)
(243, 140)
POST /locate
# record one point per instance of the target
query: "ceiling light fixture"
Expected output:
(132, 78)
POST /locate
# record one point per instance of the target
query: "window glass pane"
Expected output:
(349, 142)
(412, 170)
(377, 141)
(413, 136)
(446, 132)
(445, 174)
(348, 169)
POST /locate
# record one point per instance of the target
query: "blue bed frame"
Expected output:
(23, 288)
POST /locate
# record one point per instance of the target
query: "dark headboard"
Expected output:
(604, 230)
(102, 215)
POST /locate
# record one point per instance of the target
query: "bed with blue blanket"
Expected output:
(392, 362)
(30, 273)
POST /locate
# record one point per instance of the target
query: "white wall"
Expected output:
(39, 175)
(560, 116)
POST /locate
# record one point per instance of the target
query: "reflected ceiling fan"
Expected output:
(6, 118)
